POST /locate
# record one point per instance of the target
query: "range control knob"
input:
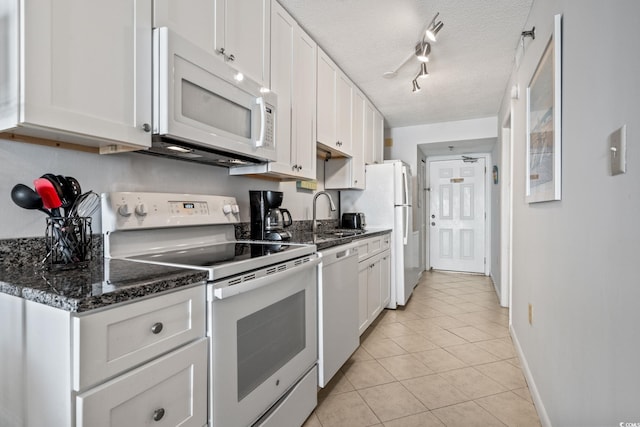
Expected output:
(124, 210)
(141, 210)
(226, 209)
(235, 209)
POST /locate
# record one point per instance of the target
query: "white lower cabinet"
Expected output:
(374, 279)
(77, 71)
(131, 364)
(168, 391)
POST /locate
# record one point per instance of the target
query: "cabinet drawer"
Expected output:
(385, 242)
(169, 391)
(112, 341)
(372, 246)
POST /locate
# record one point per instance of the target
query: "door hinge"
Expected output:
(485, 260)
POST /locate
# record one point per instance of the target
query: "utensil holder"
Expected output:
(68, 241)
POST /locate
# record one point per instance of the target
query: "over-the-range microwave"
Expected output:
(206, 111)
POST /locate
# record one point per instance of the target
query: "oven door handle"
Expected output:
(250, 285)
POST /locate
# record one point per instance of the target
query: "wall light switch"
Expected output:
(618, 151)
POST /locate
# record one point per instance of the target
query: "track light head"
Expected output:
(423, 74)
(416, 86)
(423, 49)
(434, 28)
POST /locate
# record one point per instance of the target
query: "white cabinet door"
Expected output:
(378, 137)
(86, 70)
(343, 113)
(195, 22)
(169, 391)
(283, 29)
(363, 314)
(385, 278)
(242, 31)
(369, 155)
(357, 142)
(374, 296)
(293, 79)
(304, 104)
(326, 101)
(334, 107)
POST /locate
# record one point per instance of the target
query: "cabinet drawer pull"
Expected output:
(158, 414)
(156, 329)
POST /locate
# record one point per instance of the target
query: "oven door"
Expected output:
(199, 99)
(263, 339)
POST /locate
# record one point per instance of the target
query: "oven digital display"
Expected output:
(182, 208)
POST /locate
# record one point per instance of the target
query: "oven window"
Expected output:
(268, 339)
(213, 110)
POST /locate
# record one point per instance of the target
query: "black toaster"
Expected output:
(353, 220)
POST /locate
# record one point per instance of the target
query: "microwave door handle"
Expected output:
(263, 113)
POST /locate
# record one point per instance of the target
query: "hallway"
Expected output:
(446, 359)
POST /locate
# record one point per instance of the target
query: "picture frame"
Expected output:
(544, 123)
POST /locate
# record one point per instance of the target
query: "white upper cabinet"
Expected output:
(236, 31)
(304, 105)
(242, 36)
(334, 107)
(80, 71)
(368, 134)
(348, 173)
(378, 137)
(193, 20)
(293, 79)
(373, 135)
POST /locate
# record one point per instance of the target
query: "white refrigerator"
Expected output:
(386, 203)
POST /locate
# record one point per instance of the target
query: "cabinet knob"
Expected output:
(146, 127)
(157, 327)
(232, 58)
(158, 414)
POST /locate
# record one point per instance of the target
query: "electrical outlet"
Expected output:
(531, 314)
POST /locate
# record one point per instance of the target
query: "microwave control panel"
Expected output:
(269, 124)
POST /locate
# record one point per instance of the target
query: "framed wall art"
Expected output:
(544, 126)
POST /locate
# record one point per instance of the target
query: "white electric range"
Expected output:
(261, 300)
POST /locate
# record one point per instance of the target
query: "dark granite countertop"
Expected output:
(102, 283)
(330, 238)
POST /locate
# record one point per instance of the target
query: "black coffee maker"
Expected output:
(268, 219)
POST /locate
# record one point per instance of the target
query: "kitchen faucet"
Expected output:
(333, 208)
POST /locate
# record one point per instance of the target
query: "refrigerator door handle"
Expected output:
(405, 188)
(406, 224)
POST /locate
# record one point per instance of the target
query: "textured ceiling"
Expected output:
(469, 65)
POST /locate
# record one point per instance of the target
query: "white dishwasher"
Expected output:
(338, 335)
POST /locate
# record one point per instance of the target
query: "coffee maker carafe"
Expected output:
(268, 219)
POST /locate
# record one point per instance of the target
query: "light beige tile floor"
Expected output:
(446, 359)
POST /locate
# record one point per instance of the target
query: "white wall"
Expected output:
(576, 260)
(406, 139)
(22, 163)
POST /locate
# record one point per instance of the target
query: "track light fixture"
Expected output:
(421, 51)
(434, 28)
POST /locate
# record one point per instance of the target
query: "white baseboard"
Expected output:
(535, 395)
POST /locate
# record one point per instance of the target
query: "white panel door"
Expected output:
(457, 215)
